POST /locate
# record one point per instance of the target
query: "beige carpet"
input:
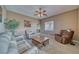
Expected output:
(55, 47)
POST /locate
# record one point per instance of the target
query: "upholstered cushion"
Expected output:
(22, 44)
(4, 44)
(65, 36)
(7, 35)
(23, 47)
(12, 49)
(19, 32)
(33, 50)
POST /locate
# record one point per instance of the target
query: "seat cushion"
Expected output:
(12, 49)
(33, 50)
(22, 44)
(65, 36)
(4, 44)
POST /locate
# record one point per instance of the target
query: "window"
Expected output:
(49, 26)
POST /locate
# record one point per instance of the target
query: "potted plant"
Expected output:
(11, 25)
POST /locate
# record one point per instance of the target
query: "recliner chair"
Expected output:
(65, 36)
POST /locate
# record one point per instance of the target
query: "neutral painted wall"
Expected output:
(3, 12)
(62, 21)
(67, 20)
(0, 11)
(78, 23)
(20, 18)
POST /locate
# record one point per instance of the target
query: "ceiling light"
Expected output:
(40, 12)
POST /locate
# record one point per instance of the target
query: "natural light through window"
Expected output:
(49, 26)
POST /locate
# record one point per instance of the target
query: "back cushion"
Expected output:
(67, 34)
(6, 35)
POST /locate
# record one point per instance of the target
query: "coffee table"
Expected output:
(40, 41)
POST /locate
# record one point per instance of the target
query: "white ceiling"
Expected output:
(29, 10)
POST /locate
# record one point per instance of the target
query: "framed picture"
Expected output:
(27, 23)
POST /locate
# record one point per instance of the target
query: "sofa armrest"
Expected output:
(57, 35)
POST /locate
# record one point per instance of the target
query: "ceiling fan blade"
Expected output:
(36, 11)
(45, 14)
(44, 10)
(35, 14)
(40, 12)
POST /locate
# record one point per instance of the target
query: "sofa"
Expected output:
(8, 45)
(24, 46)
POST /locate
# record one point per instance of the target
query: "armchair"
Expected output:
(64, 37)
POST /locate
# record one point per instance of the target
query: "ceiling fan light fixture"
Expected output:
(40, 12)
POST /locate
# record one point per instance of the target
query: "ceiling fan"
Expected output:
(40, 12)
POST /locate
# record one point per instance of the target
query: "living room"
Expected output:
(26, 27)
